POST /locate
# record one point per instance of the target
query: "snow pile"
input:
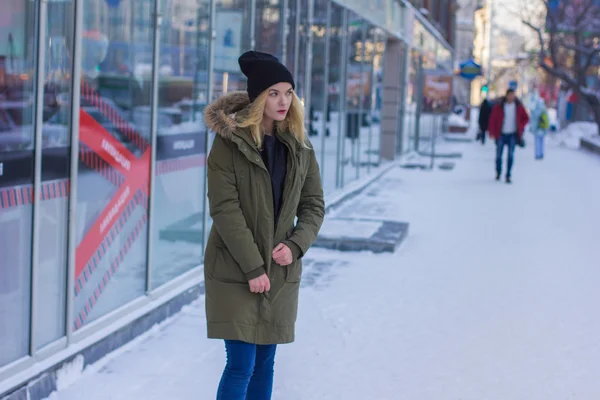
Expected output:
(571, 135)
(458, 121)
(69, 373)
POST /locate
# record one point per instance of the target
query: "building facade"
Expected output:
(442, 14)
(102, 143)
(465, 44)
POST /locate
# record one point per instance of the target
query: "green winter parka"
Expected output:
(243, 233)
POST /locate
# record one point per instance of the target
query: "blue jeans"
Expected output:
(511, 142)
(539, 146)
(249, 371)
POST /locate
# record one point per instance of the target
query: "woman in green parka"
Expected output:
(262, 175)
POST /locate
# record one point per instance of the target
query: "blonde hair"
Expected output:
(293, 122)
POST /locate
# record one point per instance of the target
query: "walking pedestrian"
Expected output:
(484, 119)
(539, 126)
(262, 174)
(507, 124)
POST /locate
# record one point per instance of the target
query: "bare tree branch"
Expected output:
(583, 50)
(566, 49)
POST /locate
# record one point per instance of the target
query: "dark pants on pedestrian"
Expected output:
(509, 141)
(482, 137)
(249, 371)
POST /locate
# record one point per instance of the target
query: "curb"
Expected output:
(589, 145)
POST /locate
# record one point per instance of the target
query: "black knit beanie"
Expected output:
(263, 71)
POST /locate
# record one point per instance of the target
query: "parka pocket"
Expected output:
(294, 272)
(226, 269)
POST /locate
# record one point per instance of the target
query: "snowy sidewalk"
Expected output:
(494, 296)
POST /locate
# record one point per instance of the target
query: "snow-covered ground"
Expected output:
(571, 135)
(494, 296)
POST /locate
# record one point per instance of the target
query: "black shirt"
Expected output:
(274, 154)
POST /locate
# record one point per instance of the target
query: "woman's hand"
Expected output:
(282, 255)
(260, 285)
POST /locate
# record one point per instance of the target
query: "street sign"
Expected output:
(469, 70)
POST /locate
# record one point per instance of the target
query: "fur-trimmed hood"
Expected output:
(220, 115)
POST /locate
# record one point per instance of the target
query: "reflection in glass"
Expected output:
(318, 107)
(17, 68)
(355, 87)
(181, 154)
(269, 27)
(232, 24)
(233, 38)
(114, 158)
(335, 70)
(373, 60)
(411, 98)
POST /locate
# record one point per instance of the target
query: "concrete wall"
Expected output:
(394, 72)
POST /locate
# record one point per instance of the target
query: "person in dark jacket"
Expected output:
(262, 175)
(507, 124)
(484, 119)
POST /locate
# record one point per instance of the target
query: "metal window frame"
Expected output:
(297, 23)
(376, 36)
(361, 98)
(283, 17)
(74, 165)
(308, 63)
(157, 22)
(341, 153)
(402, 111)
(210, 89)
(253, 24)
(326, 89)
(40, 64)
(419, 105)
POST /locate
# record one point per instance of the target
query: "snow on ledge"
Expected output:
(571, 135)
(458, 121)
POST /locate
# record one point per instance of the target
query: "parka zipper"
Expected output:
(288, 182)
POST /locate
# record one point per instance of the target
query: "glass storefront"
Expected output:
(427, 54)
(114, 161)
(330, 151)
(181, 137)
(17, 104)
(101, 119)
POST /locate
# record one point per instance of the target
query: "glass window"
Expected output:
(300, 75)
(318, 105)
(412, 93)
(232, 24)
(233, 38)
(51, 296)
(291, 33)
(17, 68)
(181, 134)
(269, 27)
(114, 159)
(334, 104)
(357, 87)
(373, 63)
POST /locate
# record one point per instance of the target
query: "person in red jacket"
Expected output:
(507, 124)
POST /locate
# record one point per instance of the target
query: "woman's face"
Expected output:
(279, 100)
